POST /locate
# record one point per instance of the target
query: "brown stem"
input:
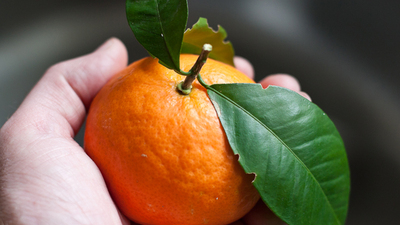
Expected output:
(186, 85)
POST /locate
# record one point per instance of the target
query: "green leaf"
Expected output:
(292, 146)
(200, 34)
(159, 26)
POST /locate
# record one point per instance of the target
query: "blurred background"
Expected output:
(346, 55)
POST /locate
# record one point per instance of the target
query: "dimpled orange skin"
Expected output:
(164, 156)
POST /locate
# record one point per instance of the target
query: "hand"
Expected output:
(46, 177)
(261, 214)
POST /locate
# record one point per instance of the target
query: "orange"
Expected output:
(164, 156)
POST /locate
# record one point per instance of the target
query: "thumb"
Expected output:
(57, 104)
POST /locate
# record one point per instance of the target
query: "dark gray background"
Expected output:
(345, 55)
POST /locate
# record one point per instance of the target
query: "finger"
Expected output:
(244, 66)
(305, 95)
(57, 103)
(282, 80)
(261, 214)
(286, 81)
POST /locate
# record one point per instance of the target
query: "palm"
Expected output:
(69, 184)
(48, 178)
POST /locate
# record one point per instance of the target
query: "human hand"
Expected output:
(45, 176)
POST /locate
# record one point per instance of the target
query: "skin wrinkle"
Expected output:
(76, 82)
(48, 124)
(62, 91)
(46, 178)
(42, 116)
(31, 177)
(44, 135)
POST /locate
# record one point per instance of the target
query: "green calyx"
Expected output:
(183, 91)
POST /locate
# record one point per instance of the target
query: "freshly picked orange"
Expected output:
(164, 155)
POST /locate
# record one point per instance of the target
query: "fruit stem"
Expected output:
(186, 86)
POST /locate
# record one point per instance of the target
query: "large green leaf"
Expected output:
(293, 148)
(201, 34)
(159, 26)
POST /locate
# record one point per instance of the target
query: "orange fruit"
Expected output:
(164, 156)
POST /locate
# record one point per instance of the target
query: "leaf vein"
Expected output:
(164, 41)
(281, 141)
